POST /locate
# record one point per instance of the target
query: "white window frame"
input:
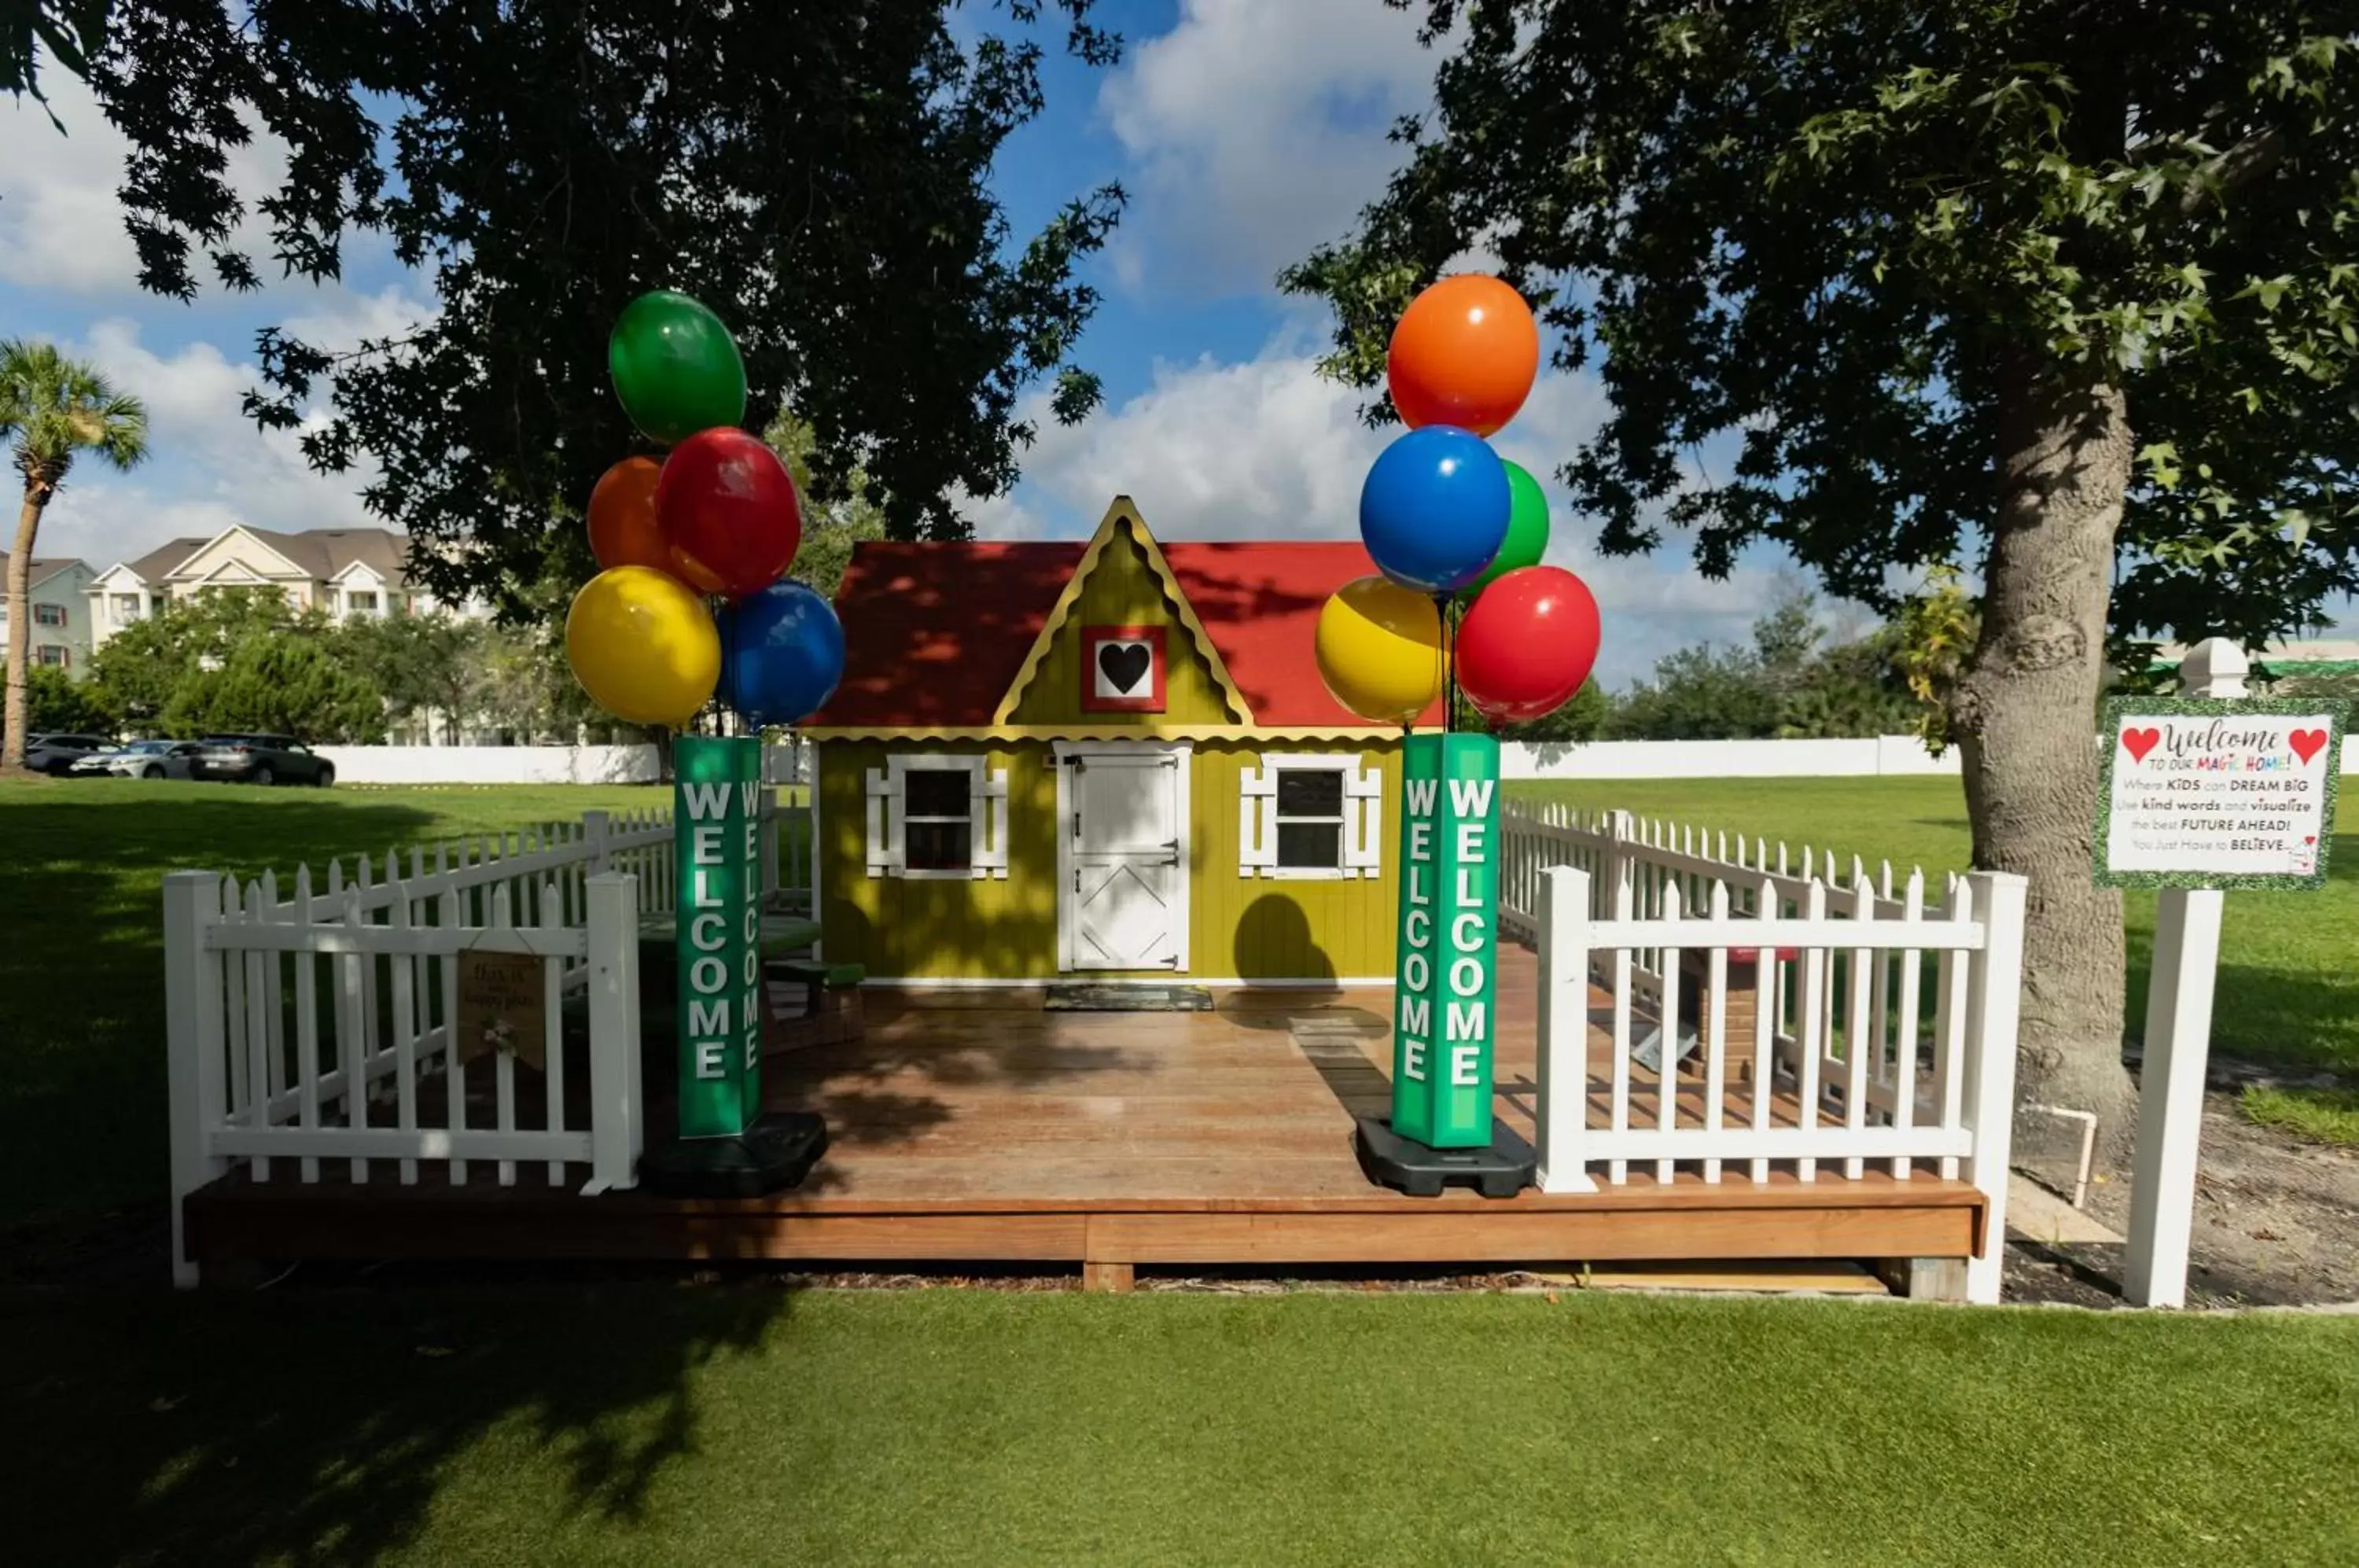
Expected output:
(888, 794)
(64, 659)
(127, 609)
(1362, 838)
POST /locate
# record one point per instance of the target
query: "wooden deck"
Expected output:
(977, 1126)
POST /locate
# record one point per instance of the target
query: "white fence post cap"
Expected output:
(2214, 668)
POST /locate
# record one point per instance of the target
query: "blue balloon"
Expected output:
(781, 654)
(1434, 508)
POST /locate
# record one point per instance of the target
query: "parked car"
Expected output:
(260, 760)
(54, 753)
(141, 759)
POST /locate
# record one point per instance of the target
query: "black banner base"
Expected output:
(1501, 1171)
(777, 1153)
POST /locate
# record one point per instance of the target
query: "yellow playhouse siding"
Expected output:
(1239, 927)
(1121, 590)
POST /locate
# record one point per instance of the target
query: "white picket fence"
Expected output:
(1888, 1015)
(314, 1031)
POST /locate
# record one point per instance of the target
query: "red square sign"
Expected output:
(1122, 669)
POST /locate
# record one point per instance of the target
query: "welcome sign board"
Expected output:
(717, 837)
(1444, 1017)
(2200, 793)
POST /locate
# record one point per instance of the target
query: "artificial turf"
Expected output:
(2288, 980)
(630, 1425)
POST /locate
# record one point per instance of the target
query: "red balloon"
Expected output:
(1526, 644)
(729, 509)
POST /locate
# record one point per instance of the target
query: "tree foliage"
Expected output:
(55, 701)
(138, 668)
(2068, 285)
(1831, 230)
(435, 665)
(281, 685)
(817, 173)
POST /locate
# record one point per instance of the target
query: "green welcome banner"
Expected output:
(717, 840)
(1449, 940)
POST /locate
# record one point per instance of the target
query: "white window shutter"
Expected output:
(884, 825)
(987, 799)
(1256, 821)
(1363, 790)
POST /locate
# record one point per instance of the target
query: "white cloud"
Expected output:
(209, 467)
(60, 226)
(1258, 130)
(1266, 449)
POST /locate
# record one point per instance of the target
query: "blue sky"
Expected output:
(1245, 131)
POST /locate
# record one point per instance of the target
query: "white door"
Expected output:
(1126, 899)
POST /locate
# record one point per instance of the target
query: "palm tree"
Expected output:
(52, 409)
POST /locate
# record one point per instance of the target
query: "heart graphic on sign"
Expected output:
(2306, 744)
(1125, 663)
(2137, 743)
(2310, 838)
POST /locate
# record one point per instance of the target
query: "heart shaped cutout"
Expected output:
(2306, 744)
(1125, 664)
(2137, 743)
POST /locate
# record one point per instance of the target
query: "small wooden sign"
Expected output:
(502, 1006)
(2205, 793)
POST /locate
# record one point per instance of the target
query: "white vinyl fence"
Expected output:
(1883, 1028)
(312, 1025)
(530, 764)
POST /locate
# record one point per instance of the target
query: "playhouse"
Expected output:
(1109, 761)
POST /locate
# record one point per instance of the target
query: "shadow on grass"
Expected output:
(81, 962)
(319, 1427)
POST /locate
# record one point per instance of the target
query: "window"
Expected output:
(937, 817)
(1310, 819)
(360, 603)
(50, 654)
(937, 820)
(48, 615)
(1309, 816)
(125, 608)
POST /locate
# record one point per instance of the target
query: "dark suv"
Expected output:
(54, 753)
(260, 760)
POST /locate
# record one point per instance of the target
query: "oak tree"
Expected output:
(817, 173)
(2062, 291)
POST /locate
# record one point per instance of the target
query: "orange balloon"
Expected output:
(1464, 353)
(623, 530)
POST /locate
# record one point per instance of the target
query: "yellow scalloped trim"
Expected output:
(1365, 734)
(1122, 511)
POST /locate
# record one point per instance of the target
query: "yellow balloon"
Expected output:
(643, 646)
(1380, 649)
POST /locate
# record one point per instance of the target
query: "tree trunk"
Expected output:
(20, 621)
(2024, 715)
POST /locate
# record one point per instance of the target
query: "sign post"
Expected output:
(2202, 793)
(727, 1146)
(1445, 1016)
(717, 858)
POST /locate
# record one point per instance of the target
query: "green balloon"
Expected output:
(675, 367)
(1528, 531)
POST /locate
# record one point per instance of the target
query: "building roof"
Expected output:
(44, 568)
(320, 553)
(154, 566)
(934, 634)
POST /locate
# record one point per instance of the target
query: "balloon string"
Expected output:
(1441, 607)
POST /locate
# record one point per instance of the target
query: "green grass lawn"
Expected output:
(2289, 987)
(636, 1424)
(82, 968)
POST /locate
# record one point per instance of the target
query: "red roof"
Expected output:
(934, 634)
